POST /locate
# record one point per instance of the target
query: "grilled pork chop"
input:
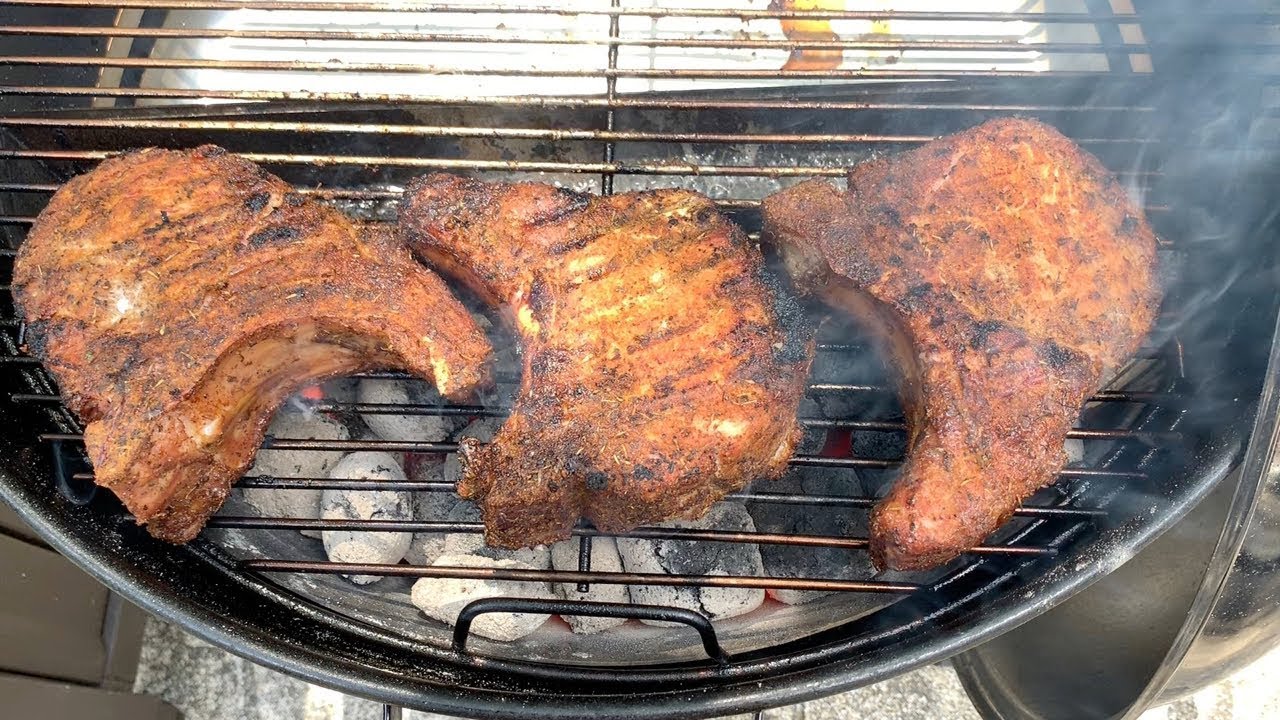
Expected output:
(179, 297)
(660, 370)
(1010, 274)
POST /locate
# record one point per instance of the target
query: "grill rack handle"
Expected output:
(697, 621)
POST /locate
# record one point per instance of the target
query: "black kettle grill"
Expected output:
(1151, 562)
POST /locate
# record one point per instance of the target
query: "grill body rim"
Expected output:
(1220, 621)
(156, 577)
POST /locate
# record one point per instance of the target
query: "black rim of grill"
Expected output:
(1182, 439)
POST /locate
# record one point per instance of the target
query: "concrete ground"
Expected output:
(206, 683)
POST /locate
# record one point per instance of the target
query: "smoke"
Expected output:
(1216, 160)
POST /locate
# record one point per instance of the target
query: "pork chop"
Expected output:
(179, 297)
(661, 370)
(1009, 274)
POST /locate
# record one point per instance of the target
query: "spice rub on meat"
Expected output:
(661, 370)
(179, 297)
(1009, 274)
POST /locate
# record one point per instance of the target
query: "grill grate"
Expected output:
(1058, 510)
(651, 96)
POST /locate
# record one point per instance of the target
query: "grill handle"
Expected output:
(476, 608)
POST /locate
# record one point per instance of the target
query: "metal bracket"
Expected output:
(75, 490)
(475, 608)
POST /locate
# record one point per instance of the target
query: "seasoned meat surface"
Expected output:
(661, 371)
(1008, 273)
(179, 297)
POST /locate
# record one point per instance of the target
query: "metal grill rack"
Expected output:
(629, 96)
(1058, 507)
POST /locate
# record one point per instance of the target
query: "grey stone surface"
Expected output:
(206, 683)
(929, 693)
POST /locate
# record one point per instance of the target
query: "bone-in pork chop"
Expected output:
(179, 297)
(1009, 273)
(661, 371)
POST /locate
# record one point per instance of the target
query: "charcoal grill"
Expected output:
(612, 97)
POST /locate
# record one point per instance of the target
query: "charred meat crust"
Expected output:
(661, 370)
(158, 282)
(1016, 272)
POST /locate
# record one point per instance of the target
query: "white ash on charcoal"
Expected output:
(788, 561)
(424, 548)
(293, 423)
(683, 557)
(433, 506)
(482, 429)
(417, 428)
(604, 558)
(537, 557)
(353, 546)
(444, 598)
(367, 435)
(448, 507)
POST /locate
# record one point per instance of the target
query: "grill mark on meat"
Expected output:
(982, 331)
(890, 214)
(597, 481)
(37, 337)
(272, 235)
(577, 243)
(257, 201)
(631, 334)
(573, 202)
(1022, 276)
(164, 222)
(917, 295)
(540, 299)
(1058, 357)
